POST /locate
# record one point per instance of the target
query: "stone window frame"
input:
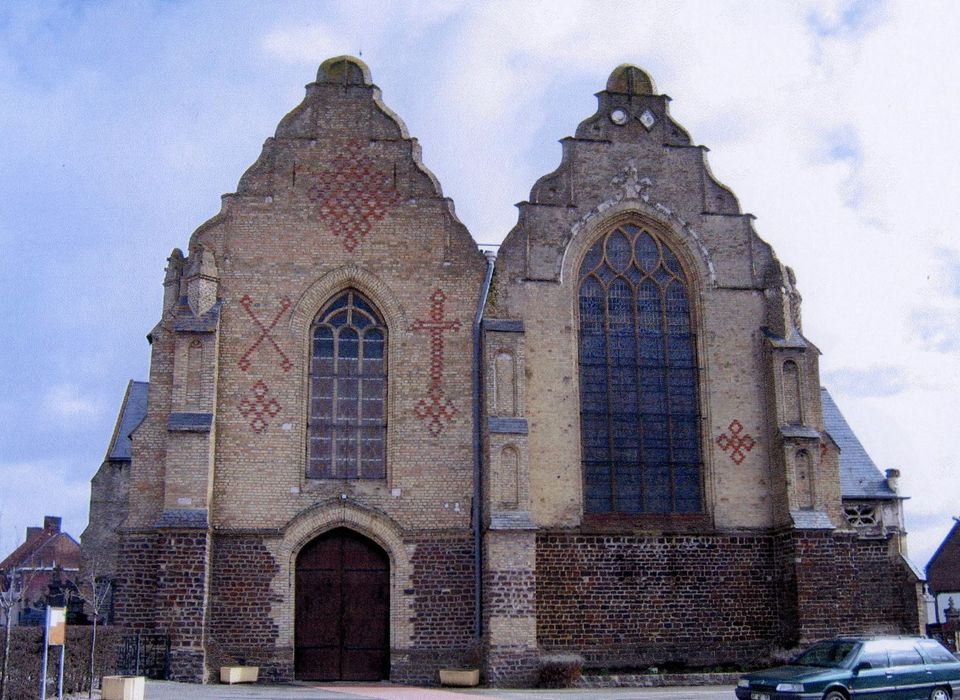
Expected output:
(363, 320)
(305, 309)
(687, 272)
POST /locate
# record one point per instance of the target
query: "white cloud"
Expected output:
(69, 402)
(311, 44)
(866, 381)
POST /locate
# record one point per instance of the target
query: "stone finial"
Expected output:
(795, 300)
(893, 480)
(630, 80)
(202, 278)
(171, 280)
(344, 70)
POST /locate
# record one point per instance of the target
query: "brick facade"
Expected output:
(220, 501)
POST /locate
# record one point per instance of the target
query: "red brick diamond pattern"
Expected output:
(352, 194)
(436, 408)
(266, 333)
(259, 407)
(737, 442)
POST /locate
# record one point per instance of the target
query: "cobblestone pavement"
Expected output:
(165, 690)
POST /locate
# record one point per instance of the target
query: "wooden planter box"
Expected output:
(462, 677)
(122, 687)
(239, 674)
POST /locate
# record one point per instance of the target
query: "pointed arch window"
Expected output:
(639, 411)
(348, 386)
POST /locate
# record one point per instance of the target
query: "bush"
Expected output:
(26, 659)
(560, 671)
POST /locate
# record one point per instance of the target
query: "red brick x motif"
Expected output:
(352, 193)
(436, 408)
(265, 333)
(260, 405)
(737, 444)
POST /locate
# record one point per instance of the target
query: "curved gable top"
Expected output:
(345, 161)
(630, 156)
(344, 70)
(630, 80)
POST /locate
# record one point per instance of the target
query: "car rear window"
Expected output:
(936, 653)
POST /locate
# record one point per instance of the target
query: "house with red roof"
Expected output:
(47, 556)
(943, 580)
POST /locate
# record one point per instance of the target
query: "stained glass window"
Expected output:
(639, 411)
(348, 386)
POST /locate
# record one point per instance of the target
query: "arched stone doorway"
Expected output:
(342, 609)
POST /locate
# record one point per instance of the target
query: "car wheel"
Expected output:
(939, 694)
(835, 695)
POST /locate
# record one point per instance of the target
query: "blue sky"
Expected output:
(122, 123)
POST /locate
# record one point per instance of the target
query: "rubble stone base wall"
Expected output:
(136, 587)
(635, 601)
(843, 584)
(442, 588)
(182, 599)
(243, 631)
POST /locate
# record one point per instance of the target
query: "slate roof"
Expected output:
(859, 475)
(132, 412)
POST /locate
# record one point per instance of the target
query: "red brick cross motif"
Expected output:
(352, 193)
(735, 442)
(265, 333)
(259, 406)
(436, 408)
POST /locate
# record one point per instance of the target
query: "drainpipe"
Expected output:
(478, 447)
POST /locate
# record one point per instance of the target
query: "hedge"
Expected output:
(26, 647)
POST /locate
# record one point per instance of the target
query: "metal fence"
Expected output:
(144, 654)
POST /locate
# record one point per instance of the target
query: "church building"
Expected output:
(368, 450)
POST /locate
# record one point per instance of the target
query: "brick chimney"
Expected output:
(32, 531)
(52, 523)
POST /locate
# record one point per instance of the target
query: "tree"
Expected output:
(95, 590)
(14, 585)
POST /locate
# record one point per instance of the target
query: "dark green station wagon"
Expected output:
(847, 668)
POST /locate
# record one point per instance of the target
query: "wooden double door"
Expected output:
(342, 609)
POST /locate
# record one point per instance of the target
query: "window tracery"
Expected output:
(348, 375)
(639, 409)
(860, 514)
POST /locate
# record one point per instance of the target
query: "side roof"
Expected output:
(132, 412)
(859, 475)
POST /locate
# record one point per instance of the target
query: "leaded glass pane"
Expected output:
(648, 254)
(639, 412)
(656, 485)
(338, 320)
(347, 422)
(629, 491)
(618, 251)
